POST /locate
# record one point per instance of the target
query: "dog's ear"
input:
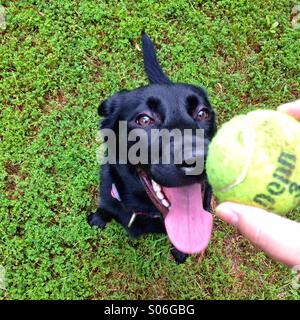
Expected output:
(109, 109)
(108, 106)
(102, 109)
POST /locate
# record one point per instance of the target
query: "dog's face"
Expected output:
(177, 106)
(161, 105)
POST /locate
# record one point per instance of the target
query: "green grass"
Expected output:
(58, 60)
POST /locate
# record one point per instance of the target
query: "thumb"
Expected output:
(292, 108)
(277, 236)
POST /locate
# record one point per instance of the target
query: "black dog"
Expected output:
(158, 198)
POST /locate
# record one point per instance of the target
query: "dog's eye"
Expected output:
(202, 115)
(144, 120)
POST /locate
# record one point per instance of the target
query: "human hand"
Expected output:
(277, 236)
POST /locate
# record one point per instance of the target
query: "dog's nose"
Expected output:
(194, 151)
(189, 162)
(194, 159)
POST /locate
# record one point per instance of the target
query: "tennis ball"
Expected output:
(254, 159)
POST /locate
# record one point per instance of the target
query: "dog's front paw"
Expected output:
(95, 219)
(179, 256)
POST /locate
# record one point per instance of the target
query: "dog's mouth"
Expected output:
(188, 225)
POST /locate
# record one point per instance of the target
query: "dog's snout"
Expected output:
(195, 150)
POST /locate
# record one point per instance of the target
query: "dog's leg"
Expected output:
(207, 197)
(179, 256)
(99, 218)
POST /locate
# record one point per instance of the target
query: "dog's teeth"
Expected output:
(159, 195)
(165, 203)
(156, 186)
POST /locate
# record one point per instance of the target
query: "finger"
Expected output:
(277, 236)
(292, 108)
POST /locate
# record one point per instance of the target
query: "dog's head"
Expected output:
(166, 105)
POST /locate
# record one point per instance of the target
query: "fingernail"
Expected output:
(287, 107)
(283, 107)
(227, 214)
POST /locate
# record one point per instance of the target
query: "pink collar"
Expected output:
(114, 192)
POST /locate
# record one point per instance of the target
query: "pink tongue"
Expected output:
(188, 225)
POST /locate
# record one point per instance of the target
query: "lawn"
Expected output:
(58, 60)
